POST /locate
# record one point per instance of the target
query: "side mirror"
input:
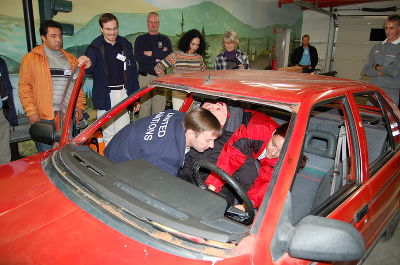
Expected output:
(44, 132)
(323, 239)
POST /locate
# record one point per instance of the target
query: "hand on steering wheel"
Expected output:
(232, 213)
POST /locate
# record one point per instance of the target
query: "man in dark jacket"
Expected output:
(7, 113)
(109, 58)
(164, 138)
(305, 55)
(151, 48)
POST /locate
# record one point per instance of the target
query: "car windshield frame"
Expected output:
(75, 143)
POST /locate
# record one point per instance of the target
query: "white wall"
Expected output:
(320, 27)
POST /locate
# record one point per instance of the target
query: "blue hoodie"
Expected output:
(158, 138)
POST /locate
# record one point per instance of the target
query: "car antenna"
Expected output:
(208, 80)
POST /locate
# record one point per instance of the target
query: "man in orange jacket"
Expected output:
(44, 73)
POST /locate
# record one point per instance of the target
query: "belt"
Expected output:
(117, 87)
(143, 73)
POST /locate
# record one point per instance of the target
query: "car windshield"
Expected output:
(147, 198)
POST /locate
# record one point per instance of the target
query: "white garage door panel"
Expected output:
(362, 50)
(353, 45)
(349, 68)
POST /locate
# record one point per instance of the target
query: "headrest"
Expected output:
(320, 143)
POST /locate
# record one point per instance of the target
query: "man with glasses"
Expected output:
(150, 48)
(110, 60)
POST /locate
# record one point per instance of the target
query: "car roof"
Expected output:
(259, 85)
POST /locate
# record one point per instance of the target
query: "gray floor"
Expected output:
(386, 253)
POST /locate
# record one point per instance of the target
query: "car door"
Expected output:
(330, 184)
(380, 124)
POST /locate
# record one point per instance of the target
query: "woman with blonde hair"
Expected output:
(231, 57)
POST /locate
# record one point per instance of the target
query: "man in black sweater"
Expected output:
(150, 48)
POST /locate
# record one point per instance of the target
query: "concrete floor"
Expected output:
(386, 253)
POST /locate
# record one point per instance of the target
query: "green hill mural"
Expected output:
(207, 16)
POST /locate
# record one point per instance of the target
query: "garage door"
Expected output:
(353, 44)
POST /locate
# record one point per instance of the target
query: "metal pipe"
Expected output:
(362, 15)
(334, 40)
(29, 24)
(368, 9)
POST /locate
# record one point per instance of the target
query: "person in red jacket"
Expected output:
(263, 140)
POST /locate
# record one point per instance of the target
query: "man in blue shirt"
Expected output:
(164, 138)
(305, 55)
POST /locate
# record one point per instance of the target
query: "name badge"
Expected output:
(67, 72)
(121, 57)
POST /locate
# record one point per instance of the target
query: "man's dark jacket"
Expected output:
(101, 92)
(8, 105)
(158, 138)
(298, 53)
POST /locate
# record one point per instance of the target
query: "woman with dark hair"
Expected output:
(188, 58)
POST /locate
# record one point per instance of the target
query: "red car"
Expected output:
(71, 205)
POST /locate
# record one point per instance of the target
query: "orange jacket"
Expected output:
(35, 84)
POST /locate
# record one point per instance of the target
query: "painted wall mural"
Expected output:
(256, 22)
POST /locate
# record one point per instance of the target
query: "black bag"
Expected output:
(232, 63)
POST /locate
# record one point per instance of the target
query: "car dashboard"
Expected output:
(141, 191)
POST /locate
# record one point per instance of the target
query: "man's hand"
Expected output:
(378, 68)
(148, 53)
(78, 115)
(33, 118)
(165, 49)
(241, 66)
(241, 207)
(84, 60)
(211, 187)
(136, 106)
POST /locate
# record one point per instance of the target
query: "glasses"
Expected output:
(153, 22)
(109, 29)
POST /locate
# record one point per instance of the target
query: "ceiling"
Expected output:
(328, 3)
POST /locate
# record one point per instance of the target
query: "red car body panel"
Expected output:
(40, 225)
(45, 227)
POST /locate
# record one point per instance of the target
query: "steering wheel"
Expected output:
(232, 212)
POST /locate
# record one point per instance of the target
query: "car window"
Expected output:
(381, 128)
(331, 164)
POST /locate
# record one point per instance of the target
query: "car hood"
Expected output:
(39, 225)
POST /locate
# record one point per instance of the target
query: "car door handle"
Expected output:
(361, 213)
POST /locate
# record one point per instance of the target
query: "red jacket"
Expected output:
(260, 185)
(247, 141)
